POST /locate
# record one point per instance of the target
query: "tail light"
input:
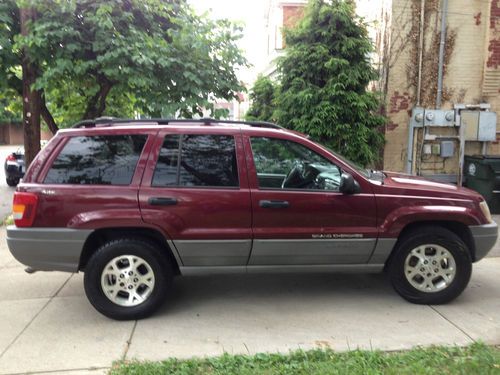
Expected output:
(24, 209)
(11, 157)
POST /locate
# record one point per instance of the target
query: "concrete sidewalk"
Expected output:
(47, 325)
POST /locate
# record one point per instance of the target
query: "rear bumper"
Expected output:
(47, 249)
(14, 171)
(485, 237)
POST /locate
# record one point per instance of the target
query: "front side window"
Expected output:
(283, 164)
(97, 160)
(193, 160)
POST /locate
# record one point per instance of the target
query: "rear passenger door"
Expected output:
(195, 189)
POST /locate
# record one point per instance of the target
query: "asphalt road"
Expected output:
(6, 192)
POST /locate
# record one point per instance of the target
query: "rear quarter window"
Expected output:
(97, 160)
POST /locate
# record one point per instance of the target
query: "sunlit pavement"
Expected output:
(47, 324)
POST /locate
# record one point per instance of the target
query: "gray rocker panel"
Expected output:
(213, 252)
(311, 252)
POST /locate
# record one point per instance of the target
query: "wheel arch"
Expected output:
(456, 227)
(100, 236)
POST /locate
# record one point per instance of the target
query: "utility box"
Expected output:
(470, 119)
(483, 175)
(487, 131)
(447, 149)
(479, 125)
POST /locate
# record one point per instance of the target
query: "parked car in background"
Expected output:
(14, 167)
(133, 203)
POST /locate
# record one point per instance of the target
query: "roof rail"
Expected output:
(110, 121)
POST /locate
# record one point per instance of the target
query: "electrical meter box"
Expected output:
(439, 117)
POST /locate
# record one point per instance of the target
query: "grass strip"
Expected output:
(477, 358)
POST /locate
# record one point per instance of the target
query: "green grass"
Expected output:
(475, 359)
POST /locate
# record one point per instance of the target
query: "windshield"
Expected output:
(365, 172)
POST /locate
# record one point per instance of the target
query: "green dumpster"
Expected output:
(482, 174)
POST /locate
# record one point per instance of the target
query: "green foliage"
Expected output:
(120, 57)
(262, 96)
(324, 76)
(475, 359)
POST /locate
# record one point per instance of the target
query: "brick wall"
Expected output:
(476, 49)
(291, 15)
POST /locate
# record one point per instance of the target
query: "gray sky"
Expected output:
(251, 13)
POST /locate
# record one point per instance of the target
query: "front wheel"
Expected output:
(430, 266)
(127, 279)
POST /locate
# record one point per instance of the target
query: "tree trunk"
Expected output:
(31, 98)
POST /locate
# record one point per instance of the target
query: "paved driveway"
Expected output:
(6, 192)
(47, 325)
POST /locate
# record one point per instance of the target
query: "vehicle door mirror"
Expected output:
(348, 185)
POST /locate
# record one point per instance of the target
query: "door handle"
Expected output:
(162, 201)
(274, 204)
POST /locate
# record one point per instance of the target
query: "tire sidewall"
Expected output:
(450, 242)
(93, 273)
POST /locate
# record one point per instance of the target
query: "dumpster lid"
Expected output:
(484, 157)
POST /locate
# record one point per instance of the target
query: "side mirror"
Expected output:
(348, 185)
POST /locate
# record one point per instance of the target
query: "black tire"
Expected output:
(151, 254)
(432, 236)
(12, 181)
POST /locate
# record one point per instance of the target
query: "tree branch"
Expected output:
(47, 116)
(97, 104)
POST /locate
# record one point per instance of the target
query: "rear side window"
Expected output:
(97, 160)
(193, 160)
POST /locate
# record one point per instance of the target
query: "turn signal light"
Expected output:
(11, 157)
(24, 209)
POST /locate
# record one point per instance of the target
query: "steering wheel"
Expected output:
(296, 177)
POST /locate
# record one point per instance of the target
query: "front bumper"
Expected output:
(485, 236)
(47, 249)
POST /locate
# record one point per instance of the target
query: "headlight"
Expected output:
(486, 211)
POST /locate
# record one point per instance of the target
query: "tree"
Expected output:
(324, 76)
(262, 97)
(118, 57)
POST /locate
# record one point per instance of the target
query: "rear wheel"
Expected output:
(430, 266)
(127, 279)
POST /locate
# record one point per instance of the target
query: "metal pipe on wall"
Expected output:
(421, 52)
(444, 11)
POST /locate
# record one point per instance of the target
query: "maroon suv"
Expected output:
(133, 203)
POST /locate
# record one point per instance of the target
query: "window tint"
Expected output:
(167, 164)
(97, 160)
(290, 165)
(205, 160)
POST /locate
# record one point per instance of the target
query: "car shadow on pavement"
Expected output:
(193, 292)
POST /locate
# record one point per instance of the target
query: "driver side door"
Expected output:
(299, 217)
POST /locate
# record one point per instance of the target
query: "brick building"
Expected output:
(471, 67)
(279, 15)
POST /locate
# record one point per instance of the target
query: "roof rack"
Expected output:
(110, 121)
